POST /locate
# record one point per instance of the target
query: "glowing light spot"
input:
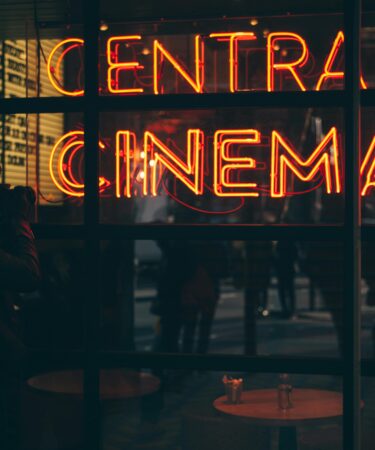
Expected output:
(103, 26)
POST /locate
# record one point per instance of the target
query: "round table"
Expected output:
(115, 384)
(310, 406)
(54, 401)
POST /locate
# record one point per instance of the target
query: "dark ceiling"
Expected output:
(15, 14)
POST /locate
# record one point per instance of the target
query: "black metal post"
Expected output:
(3, 115)
(352, 242)
(91, 218)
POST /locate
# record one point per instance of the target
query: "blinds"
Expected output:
(19, 131)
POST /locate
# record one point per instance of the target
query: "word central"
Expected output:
(286, 55)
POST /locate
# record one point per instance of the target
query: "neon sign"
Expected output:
(140, 172)
(225, 161)
(287, 54)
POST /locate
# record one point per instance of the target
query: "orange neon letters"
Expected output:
(224, 164)
(368, 167)
(54, 71)
(327, 71)
(233, 53)
(196, 84)
(157, 154)
(125, 146)
(290, 66)
(64, 144)
(326, 155)
(66, 148)
(115, 67)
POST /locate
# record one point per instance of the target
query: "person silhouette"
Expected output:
(19, 272)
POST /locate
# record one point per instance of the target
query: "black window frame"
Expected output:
(91, 358)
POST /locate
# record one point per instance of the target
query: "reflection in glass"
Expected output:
(223, 166)
(190, 411)
(36, 152)
(229, 297)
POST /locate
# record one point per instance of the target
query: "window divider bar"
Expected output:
(225, 232)
(294, 99)
(246, 232)
(91, 380)
(223, 362)
(352, 243)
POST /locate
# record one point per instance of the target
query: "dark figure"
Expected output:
(257, 261)
(285, 257)
(187, 296)
(198, 303)
(19, 272)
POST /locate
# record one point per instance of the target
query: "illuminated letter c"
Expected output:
(53, 71)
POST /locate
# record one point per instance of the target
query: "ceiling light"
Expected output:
(103, 26)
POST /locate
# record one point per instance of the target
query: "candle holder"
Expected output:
(233, 389)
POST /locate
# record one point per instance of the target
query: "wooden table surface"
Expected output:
(114, 383)
(261, 407)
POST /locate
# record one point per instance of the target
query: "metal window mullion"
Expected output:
(91, 219)
(352, 248)
(223, 362)
(3, 115)
(228, 232)
(260, 99)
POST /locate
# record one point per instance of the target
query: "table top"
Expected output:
(260, 406)
(115, 384)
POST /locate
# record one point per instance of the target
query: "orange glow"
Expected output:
(369, 168)
(324, 152)
(65, 181)
(125, 145)
(69, 187)
(290, 66)
(53, 72)
(233, 53)
(196, 84)
(156, 151)
(115, 66)
(327, 71)
(222, 171)
(72, 182)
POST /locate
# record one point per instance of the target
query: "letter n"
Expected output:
(159, 157)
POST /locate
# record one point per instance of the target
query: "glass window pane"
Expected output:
(240, 165)
(368, 414)
(228, 297)
(284, 53)
(40, 45)
(36, 151)
(51, 410)
(190, 410)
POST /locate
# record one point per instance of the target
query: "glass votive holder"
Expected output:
(233, 390)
